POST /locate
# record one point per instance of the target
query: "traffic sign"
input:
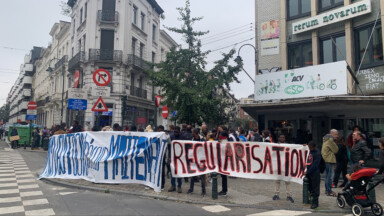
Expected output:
(158, 100)
(101, 77)
(77, 93)
(76, 78)
(101, 91)
(32, 105)
(100, 106)
(164, 111)
(174, 113)
(77, 104)
(30, 117)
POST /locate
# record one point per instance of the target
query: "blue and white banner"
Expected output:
(107, 157)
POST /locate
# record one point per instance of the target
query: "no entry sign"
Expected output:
(101, 77)
(164, 111)
(76, 79)
(32, 105)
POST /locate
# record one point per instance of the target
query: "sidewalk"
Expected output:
(241, 192)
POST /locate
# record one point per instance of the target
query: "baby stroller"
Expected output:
(356, 193)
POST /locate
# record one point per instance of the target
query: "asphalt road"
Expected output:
(22, 194)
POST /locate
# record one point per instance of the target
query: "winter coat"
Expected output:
(381, 159)
(342, 154)
(14, 132)
(360, 151)
(329, 149)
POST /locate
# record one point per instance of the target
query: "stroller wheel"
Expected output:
(357, 209)
(377, 210)
(340, 202)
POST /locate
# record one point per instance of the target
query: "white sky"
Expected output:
(26, 23)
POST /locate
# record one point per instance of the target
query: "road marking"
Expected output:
(8, 185)
(10, 199)
(31, 193)
(10, 191)
(24, 176)
(7, 179)
(40, 212)
(281, 213)
(216, 208)
(28, 186)
(35, 202)
(66, 193)
(6, 175)
(10, 210)
(25, 180)
(10, 170)
(57, 188)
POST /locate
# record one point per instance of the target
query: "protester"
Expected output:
(116, 127)
(381, 155)
(266, 136)
(1, 131)
(196, 137)
(59, 130)
(176, 136)
(287, 183)
(255, 136)
(328, 152)
(360, 151)
(223, 137)
(233, 136)
(15, 143)
(126, 128)
(133, 128)
(148, 129)
(242, 137)
(341, 163)
(313, 173)
(351, 140)
(76, 127)
(36, 139)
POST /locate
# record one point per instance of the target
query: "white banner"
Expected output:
(255, 160)
(320, 80)
(107, 157)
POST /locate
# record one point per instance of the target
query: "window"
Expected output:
(134, 15)
(141, 50)
(298, 8)
(85, 10)
(374, 53)
(81, 16)
(134, 46)
(154, 33)
(328, 4)
(300, 54)
(330, 51)
(153, 57)
(142, 18)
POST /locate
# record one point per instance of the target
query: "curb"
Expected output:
(169, 198)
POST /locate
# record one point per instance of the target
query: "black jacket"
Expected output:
(381, 156)
(342, 154)
(14, 132)
(313, 162)
(360, 151)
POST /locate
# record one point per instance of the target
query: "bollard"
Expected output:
(371, 192)
(25, 144)
(214, 186)
(305, 191)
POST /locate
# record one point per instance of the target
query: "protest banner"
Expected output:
(255, 160)
(107, 157)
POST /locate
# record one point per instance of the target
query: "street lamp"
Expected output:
(62, 92)
(239, 58)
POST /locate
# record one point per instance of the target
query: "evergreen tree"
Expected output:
(4, 113)
(199, 95)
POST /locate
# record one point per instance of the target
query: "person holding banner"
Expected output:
(223, 137)
(313, 173)
(196, 137)
(176, 136)
(278, 182)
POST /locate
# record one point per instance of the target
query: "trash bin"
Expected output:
(45, 143)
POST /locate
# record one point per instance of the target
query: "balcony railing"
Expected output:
(61, 62)
(75, 60)
(105, 55)
(138, 62)
(108, 16)
(138, 92)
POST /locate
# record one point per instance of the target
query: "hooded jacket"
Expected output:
(329, 149)
(360, 151)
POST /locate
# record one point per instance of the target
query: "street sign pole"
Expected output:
(155, 117)
(30, 133)
(98, 120)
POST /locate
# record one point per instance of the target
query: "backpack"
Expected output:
(322, 165)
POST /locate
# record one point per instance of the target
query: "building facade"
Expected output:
(120, 37)
(21, 92)
(304, 86)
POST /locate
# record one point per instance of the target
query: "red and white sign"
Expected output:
(76, 79)
(32, 105)
(101, 77)
(253, 160)
(164, 111)
(100, 106)
(158, 100)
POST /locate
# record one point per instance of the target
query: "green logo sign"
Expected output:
(294, 89)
